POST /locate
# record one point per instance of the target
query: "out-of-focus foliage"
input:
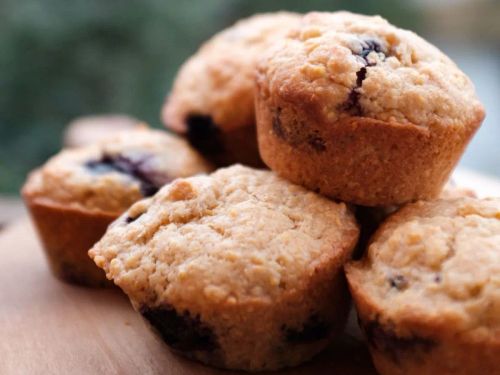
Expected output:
(60, 59)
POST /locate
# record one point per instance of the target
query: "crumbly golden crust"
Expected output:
(218, 82)
(428, 291)
(69, 180)
(254, 258)
(363, 111)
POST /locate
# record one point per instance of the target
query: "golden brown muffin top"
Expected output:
(218, 81)
(342, 64)
(437, 263)
(236, 236)
(111, 175)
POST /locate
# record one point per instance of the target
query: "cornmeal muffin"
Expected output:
(86, 130)
(212, 100)
(239, 269)
(76, 194)
(362, 111)
(428, 291)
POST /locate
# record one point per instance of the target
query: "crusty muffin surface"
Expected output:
(254, 259)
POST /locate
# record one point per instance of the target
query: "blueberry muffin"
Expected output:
(76, 194)
(370, 218)
(428, 291)
(86, 130)
(239, 269)
(362, 111)
(212, 100)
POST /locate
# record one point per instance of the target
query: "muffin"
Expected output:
(86, 130)
(359, 110)
(370, 218)
(428, 291)
(77, 193)
(239, 269)
(212, 100)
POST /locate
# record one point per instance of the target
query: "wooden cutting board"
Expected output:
(48, 327)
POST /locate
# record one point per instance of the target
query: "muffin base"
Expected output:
(66, 235)
(356, 159)
(256, 338)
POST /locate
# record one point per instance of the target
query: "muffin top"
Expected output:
(85, 130)
(111, 175)
(234, 237)
(436, 264)
(215, 86)
(337, 65)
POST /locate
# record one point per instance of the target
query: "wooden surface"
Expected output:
(48, 327)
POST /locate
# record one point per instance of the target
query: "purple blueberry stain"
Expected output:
(295, 138)
(316, 142)
(385, 340)
(181, 331)
(313, 329)
(398, 282)
(130, 219)
(277, 126)
(135, 167)
(352, 104)
(368, 46)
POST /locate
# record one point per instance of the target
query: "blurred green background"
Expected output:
(61, 59)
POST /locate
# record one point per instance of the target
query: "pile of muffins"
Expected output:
(360, 124)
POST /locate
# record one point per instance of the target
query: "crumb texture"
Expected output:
(438, 262)
(236, 236)
(111, 175)
(337, 65)
(218, 81)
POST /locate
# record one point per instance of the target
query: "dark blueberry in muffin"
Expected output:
(385, 339)
(369, 46)
(135, 167)
(204, 134)
(316, 142)
(399, 282)
(181, 331)
(312, 330)
(277, 127)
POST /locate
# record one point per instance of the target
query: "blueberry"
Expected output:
(150, 181)
(352, 104)
(316, 142)
(130, 219)
(384, 339)
(181, 331)
(368, 46)
(399, 282)
(313, 329)
(204, 135)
